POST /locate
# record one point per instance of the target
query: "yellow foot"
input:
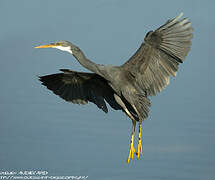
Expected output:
(131, 153)
(140, 149)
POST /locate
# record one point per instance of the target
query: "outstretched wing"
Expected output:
(80, 87)
(160, 54)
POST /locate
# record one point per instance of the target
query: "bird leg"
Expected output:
(140, 148)
(132, 150)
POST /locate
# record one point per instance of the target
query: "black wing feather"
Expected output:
(79, 88)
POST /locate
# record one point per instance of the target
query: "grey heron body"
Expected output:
(126, 87)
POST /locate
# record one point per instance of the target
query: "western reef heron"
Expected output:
(126, 87)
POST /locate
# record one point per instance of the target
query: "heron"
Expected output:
(129, 86)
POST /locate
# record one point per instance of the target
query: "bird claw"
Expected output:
(131, 153)
(140, 149)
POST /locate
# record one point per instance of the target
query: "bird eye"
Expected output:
(59, 44)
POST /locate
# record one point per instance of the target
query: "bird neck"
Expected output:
(86, 62)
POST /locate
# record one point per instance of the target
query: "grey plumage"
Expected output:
(145, 74)
(160, 54)
(126, 87)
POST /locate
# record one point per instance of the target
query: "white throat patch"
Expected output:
(62, 48)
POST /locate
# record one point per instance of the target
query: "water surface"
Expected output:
(39, 131)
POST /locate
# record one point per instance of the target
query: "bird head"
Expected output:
(62, 45)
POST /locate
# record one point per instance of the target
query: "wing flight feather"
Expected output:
(160, 54)
(80, 87)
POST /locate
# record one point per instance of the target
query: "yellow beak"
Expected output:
(46, 46)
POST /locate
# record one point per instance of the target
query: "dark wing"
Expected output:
(160, 54)
(79, 88)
